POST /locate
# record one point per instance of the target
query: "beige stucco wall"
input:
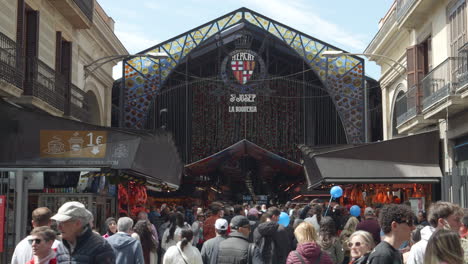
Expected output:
(8, 13)
(88, 45)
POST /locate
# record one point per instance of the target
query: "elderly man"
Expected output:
(127, 249)
(23, 251)
(237, 249)
(82, 245)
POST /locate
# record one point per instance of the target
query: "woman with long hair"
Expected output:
(329, 241)
(444, 246)
(348, 230)
(360, 244)
(307, 250)
(183, 252)
(110, 227)
(173, 235)
(148, 243)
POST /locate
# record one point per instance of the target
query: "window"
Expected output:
(399, 108)
(457, 22)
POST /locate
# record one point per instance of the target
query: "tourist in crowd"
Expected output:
(307, 250)
(110, 227)
(41, 241)
(183, 251)
(272, 238)
(315, 216)
(173, 234)
(23, 251)
(142, 215)
(348, 230)
(208, 226)
(396, 221)
(444, 247)
(441, 215)
(197, 228)
(464, 227)
(370, 224)
(422, 218)
(127, 249)
(210, 248)
(236, 249)
(142, 232)
(328, 240)
(81, 244)
(360, 244)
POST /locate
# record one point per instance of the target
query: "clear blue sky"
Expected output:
(349, 25)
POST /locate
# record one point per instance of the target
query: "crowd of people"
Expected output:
(244, 234)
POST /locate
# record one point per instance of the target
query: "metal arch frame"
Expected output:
(296, 40)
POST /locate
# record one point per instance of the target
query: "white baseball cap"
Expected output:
(72, 210)
(221, 224)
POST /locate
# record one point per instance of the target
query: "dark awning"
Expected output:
(239, 150)
(407, 159)
(30, 139)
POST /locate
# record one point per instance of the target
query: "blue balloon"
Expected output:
(336, 191)
(355, 210)
(283, 219)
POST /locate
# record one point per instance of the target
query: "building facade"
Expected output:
(428, 37)
(44, 47)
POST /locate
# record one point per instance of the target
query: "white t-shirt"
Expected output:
(174, 255)
(23, 251)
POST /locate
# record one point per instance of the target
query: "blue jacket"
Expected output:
(127, 249)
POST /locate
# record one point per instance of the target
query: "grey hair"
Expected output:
(366, 236)
(124, 224)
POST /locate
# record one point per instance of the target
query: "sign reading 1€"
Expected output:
(73, 144)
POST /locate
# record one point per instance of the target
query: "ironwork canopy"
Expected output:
(343, 77)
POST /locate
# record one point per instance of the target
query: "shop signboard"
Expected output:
(72, 144)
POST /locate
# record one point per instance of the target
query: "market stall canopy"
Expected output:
(31, 139)
(239, 150)
(412, 159)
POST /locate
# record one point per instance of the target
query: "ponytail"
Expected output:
(187, 236)
(183, 243)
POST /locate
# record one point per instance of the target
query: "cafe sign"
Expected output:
(72, 144)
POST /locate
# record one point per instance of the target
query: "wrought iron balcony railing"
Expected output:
(402, 8)
(10, 63)
(45, 83)
(439, 83)
(462, 67)
(78, 108)
(412, 98)
(87, 7)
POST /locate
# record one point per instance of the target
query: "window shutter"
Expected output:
(32, 50)
(58, 52)
(20, 36)
(411, 66)
(66, 73)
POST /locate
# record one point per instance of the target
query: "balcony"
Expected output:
(412, 120)
(9, 64)
(79, 107)
(403, 7)
(78, 12)
(462, 71)
(43, 88)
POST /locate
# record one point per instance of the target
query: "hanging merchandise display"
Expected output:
(132, 198)
(364, 195)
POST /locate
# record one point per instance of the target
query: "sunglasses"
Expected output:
(37, 241)
(357, 244)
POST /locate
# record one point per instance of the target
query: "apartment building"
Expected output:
(45, 46)
(422, 49)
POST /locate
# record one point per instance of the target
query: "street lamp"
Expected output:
(338, 53)
(91, 67)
